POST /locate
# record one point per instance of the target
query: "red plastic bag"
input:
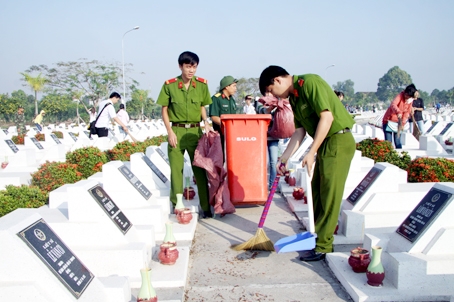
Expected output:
(283, 125)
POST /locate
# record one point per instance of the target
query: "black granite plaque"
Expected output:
(37, 143)
(148, 127)
(49, 128)
(424, 214)
(431, 127)
(72, 136)
(135, 182)
(130, 128)
(160, 152)
(364, 185)
(140, 128)
(61, 261)
(6, 131)
(55, 138)
(88, 135)
(446, 128)
(155, 169)
(12, 145)
(36, 129)
(110, 208)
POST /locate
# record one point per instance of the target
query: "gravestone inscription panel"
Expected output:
(160, 152)
(424, 214)
(110, 208)
(448, 126)
(12, 145)
(155, 169)
(140, 187)
(431, 127)
(60, 260)
(55, 138)
(37, 143)
(364, 185)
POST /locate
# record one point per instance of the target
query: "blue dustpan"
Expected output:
(306, 240)
(299, 242)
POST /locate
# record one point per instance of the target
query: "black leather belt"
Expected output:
(346, 130)
(185, 125)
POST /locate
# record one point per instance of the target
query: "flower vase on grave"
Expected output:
(291, 178)
(188, 191)
(359, 259)
(169, 233)
(146, 292)
(168, 254)
(375, 271)
(184, 216)
(5, 162)
(179, 206)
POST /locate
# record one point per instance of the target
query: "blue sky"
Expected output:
(364, 39)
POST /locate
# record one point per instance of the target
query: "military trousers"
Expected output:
(330, 174)
(187, 140)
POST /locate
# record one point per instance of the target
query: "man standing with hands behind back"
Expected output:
(183, 100)
(317, 112)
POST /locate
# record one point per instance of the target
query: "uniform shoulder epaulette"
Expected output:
(171, 81)
(217, 94)
(201, 80)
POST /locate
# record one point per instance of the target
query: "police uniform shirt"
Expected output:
(311, 96)
(184, 104)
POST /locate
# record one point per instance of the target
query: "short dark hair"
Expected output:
(268, 75)
(248, 96)
(338, 93)
(122, 106)
(115, 95)
(188, 57)
(410, 90)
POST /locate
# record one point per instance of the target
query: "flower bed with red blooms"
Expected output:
(383, 151)
(89, 160)
(40, 137)
(18, 139)
(425, 169)
(122, 151)
(53, 175)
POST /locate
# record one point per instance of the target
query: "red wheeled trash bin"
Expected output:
(246, 156)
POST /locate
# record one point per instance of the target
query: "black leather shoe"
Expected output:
(313, 256)
(207, 214)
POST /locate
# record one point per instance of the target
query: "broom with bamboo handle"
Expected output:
(260, 241)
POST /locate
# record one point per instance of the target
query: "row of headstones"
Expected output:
(412, 222)
(18, 161)
(93, 238)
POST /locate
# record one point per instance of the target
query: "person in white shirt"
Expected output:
(92, 114)
(248, 108)
(108, 114)
(123, 116)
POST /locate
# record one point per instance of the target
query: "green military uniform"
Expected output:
(311, 96)
(184, 109)
(221, 104)
(19, 120)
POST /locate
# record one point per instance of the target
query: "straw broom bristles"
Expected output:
(258, 242)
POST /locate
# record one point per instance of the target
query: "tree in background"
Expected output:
(93, 78)
(141, 106)
(58, 107)
(392, 83)
(347, 87)
(36, 84)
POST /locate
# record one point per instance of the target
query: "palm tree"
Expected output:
(36, 84)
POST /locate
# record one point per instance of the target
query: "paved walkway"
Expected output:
(218, 273)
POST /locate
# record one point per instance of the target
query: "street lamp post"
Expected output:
(332, 65)
(123, 55)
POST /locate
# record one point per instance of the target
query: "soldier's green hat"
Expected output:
(226, 81)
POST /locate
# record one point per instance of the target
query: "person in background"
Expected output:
(339, 94)
(223, 103)
(272, 143)
(183, 100)
(92, 114)
(248, 107)
(400, 108)
(108, 114)
(123, 116)
(417, 109)
(317, 112)
(39, 120)
(437, 107)
(19, 120)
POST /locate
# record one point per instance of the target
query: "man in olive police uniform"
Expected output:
(223, 103)
(183, 100)
(317, 112)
